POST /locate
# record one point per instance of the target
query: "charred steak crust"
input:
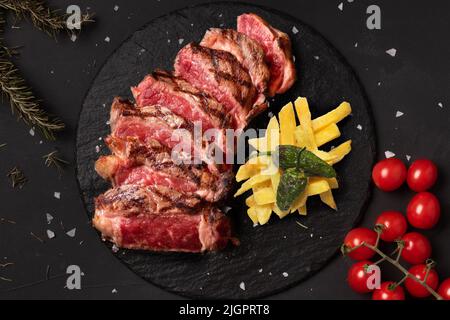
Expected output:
(248, 52)
(277, 48)
(133, 218)
(219, 74)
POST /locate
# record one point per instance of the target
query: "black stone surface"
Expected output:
(284, 252)
(61, 73)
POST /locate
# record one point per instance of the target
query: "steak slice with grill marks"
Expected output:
(164, 89)
(151, 123)
(140, 218)
(219, 74)
(248, 52)
(277, 47)
(154, 167)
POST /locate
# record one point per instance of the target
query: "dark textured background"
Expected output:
(412, 82)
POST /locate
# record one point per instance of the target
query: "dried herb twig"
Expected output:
(48, 20)
(21, 98)
(17, 177)
(53, 160)
(2, 145)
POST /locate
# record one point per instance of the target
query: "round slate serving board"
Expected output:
(273, 257)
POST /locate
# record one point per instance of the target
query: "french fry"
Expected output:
(252, 167)
(302, 210)
(281, 214)
(304, 115)
(250, 201)
(327, 198)
(259, 144)
(299, 202)
(251, 212)
(272, 134)
(327, 134)
(263, 213)
(316, 186)
(341, 151)
(333, 183)
(264, 196)
(252, 182)
(287, 125)
(334, 116)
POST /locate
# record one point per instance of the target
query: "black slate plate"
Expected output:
(279, 255)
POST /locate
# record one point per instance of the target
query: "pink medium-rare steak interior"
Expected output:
(164, 89)
(220, 75)
(186, 179)
(247, 51)
(126, 220)
(277, 48)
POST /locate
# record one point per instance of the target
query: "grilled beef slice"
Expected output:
(277, 47)
(247, 51)
(138, 218)
(219, 74)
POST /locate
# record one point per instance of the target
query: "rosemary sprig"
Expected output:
(21, 98)
(53, 160)
(17, 177)
(45, 19)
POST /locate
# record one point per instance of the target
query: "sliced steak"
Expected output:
(248, 52)
(277, 47)
(158, 169)
(135, 218)
(219, 74)
(164, 89)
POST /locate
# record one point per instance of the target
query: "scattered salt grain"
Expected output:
(107, 39)
(294, 30)
(242, 286)
(57, 195)
(180, 41)
(114, 290)
(97, 149)
(356, 44)
(32, 132)
(379, 83)
(270, 114)
(440, 104)
(50, 234)
(73, 37)
(359, 127)
(49, 218)
(285, 274)
(115, 248)
(398, 114)
(226, 209)
(316, 57)
(389, 154)
(341, 6)
(312, 235)
(392, 52)
(408, 157)
(71, 233)
(260, 270)
(116, 8)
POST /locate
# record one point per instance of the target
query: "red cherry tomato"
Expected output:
(422, 175)
(444, 289)
(415, 288)
(357, 236)
(423, 210)
(389, 291)
(357, 277)
(393, 224)
(417, 248)
(389, 174)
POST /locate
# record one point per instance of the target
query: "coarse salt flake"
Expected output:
(242, 286)
(50, 234)
(71, 233)
(341, 6)
(389, 154)
(285, 274)
(116, 8)
(294, 30)
(392, 52)
(408, 157)
(57, 195)
(398, 114)
(49, 218)
(359, 127)
(107, 39)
